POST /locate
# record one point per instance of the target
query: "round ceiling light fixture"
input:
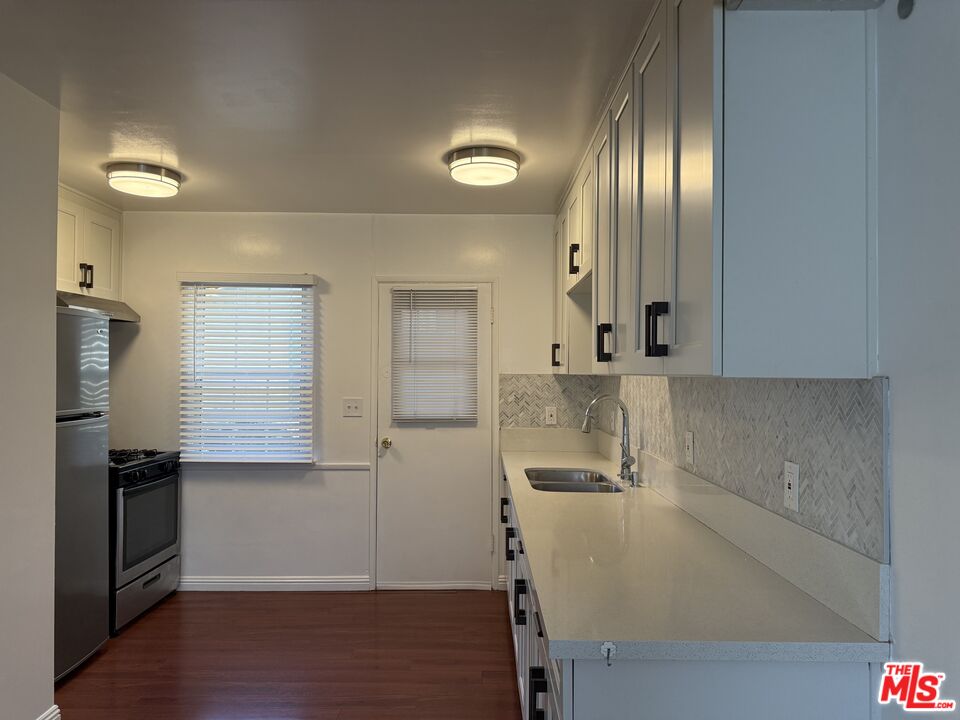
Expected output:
(143, 179)
(483, 165)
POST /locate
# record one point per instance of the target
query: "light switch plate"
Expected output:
(549, 415)
(353, 407)
(791, 486)
(688, 447)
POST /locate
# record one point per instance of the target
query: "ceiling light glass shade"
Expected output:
(483, 165)
(143, 180)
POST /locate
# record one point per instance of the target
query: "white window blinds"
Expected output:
(434, 354)
(246, 373)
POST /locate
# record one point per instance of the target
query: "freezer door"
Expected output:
(82, 574)
(83, 361)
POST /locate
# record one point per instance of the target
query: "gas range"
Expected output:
(129, 466)
(144, 531)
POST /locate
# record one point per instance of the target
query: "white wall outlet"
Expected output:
(549, 415)
(353, 407)
(791, 486)
(688, 447)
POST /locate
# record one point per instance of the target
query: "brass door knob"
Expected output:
(386, 443)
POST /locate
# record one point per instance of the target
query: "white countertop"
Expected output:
(634, 569)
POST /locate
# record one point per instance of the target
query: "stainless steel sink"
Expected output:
(570, 480)
(577, 487)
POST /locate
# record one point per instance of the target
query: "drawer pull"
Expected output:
(519, 590)
(504, 504)
(536, 687)
(152, 581)
(510, 533)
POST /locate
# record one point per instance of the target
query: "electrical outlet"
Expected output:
(549, 415)
(791, 486)
(688, 448)
(353, 407)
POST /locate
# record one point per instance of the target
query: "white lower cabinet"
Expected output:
(689, 689)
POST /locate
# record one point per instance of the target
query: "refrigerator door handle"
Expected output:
(89, 419)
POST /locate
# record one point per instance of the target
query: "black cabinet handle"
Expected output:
(572, 267)
(537, 686)
(651, 313)
(90, 280)
(554, 359)
(83, 275)
(504, 503)
(536, 617)
(509, 534)
(603, 329)
(519, 590)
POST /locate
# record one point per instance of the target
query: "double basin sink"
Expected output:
(570, 480)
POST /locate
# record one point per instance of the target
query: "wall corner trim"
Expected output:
(52, 714)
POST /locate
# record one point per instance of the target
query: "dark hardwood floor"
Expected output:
(305, 656)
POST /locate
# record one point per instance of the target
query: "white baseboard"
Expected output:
(275, 583)
(434, 585)
(502, 582)
(51, 714)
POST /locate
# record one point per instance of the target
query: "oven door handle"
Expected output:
(131, 490)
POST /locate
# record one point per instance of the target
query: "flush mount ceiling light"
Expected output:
(144, 180)
(483, 165)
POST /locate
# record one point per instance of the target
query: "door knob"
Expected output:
(386, 443)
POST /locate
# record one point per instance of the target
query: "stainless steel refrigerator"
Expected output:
(82, 581)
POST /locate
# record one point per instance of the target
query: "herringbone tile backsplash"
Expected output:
(743, 431)
(524, 397)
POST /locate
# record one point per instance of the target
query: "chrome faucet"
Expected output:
(626, 459)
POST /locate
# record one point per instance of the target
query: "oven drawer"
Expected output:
(146, 591)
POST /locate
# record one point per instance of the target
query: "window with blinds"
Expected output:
(246, 373)
(434, 355)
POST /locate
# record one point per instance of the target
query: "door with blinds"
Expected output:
(435, 436)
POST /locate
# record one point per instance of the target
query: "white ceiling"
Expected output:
(321, 105)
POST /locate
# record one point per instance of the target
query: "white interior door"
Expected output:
(434, 478)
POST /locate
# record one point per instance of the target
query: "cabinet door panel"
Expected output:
(69, 245)
(572, 233)
(101, 248)
(603, 244)
(654, 156)
(559, 297)
(623, 299)
(587, 219)
(693, 277)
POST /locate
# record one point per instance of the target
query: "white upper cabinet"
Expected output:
(651, 233)
(586, 190)
(89, 246)
(799, 235)
(558, 358)
(694, 259)
(69, 244)
(623, 194)
(603, 252)
(733, 198)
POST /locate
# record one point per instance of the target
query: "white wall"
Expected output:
(29, 136)
(919, 224)
(313, 524)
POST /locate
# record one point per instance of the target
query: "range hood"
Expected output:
(114, 309)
